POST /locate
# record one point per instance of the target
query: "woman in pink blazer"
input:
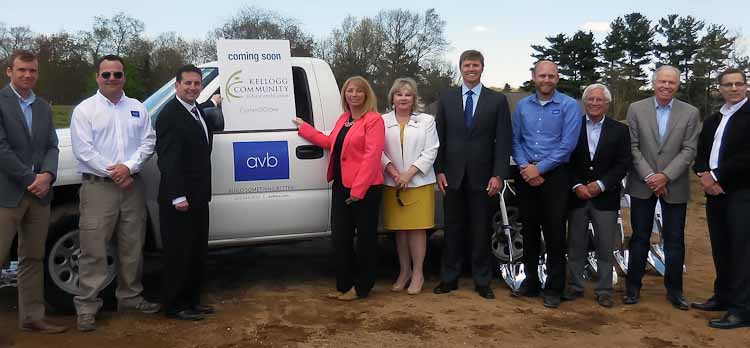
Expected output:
(356, 146)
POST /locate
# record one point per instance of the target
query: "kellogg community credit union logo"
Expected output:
(238, 87)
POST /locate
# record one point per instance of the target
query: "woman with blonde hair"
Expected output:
(411, 146)
(356, 146)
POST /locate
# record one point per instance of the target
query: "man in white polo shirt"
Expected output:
(112, 139)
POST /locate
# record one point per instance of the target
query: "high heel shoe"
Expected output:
(412, 290)
(400, 287)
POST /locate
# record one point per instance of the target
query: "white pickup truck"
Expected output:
(248, 210)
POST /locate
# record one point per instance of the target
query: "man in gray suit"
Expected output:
(28, 167)
(664, 136)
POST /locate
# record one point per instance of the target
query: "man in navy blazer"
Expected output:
(722, 162)
(598, 165)
(473, 125)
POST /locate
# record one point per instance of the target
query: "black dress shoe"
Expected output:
(485, 291)
(202, 309)
(571, 295)
(678, 301)
(526, 290)
(605, 300)
(711, 305)
(186, 314)
(728, 321)
(552, 301)
(444, 288)
(632, 296)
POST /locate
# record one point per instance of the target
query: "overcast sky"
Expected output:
(502, 30)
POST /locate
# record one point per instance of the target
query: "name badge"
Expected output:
(555, 112)
(135, 114)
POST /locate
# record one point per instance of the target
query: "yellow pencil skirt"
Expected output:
(417, 212)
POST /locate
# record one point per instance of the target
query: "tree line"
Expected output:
(387, 45)
(391, 44)
(637, 45)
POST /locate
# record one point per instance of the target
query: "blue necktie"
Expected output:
(469, 108)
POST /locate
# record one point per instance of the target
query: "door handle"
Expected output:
(308, 152)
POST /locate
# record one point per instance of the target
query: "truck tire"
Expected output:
(61, 267)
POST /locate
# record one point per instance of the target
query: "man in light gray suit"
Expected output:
(664, 136)
(28, 167)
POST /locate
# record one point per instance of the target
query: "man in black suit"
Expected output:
(183, 145)
(598, 165)
(722, 162)
(473, 124)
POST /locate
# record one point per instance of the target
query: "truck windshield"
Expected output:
(156, 101)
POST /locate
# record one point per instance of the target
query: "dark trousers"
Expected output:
(729, 230)
(543, 210)
(467, 216)
(185, 238)
(355, 269)
(673, 232)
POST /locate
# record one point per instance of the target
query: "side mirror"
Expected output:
(215, 117)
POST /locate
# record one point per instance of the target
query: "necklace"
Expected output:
(349, 122)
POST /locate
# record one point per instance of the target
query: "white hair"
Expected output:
(605, 90)
(666, 67)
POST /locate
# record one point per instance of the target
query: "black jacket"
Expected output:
(480, 152)
(734, 153)
(184, 155)
(610, 164)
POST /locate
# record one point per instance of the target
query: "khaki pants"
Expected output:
(31, 220)
(106, 212)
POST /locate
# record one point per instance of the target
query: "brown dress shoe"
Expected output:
(44, 327)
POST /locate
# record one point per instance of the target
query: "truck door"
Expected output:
(271, 184)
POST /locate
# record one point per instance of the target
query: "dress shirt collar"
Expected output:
(187, 106)
(106, 100)
(556, 98)
(729, 110)
(477, 89)
(590, 122)
(30, 99)
(668, 106)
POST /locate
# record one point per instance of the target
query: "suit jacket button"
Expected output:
(591, 168)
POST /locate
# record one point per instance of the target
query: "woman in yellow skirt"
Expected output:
(411, 146)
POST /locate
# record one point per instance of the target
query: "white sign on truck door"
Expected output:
(256, 84)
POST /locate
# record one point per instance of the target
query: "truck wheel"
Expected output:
(61, 267)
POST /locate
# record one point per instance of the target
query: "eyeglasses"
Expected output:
(739, 84)
(107, 74)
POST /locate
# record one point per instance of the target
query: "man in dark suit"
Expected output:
(722, 162)
(473, 124)
(183, 145)
(546, 126)
(28, 167)
(598, 165)
(663, 137)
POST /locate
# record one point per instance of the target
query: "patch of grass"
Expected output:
(61, 115)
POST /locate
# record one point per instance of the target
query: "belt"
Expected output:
(92, 177)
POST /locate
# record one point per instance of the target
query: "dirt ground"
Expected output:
(273, 296)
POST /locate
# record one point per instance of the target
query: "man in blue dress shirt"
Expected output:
(546, 126)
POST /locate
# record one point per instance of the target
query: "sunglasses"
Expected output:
(116, 75)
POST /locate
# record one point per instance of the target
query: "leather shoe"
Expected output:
(632, 296)
(485, 291)
(711, 305)
(605, 300)
(728, 321)
(552, 301)
(526, 290)
(444, 288)
(678, 301)
(202, 309)
(571, 295)
(43, 326)
(186, 314)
